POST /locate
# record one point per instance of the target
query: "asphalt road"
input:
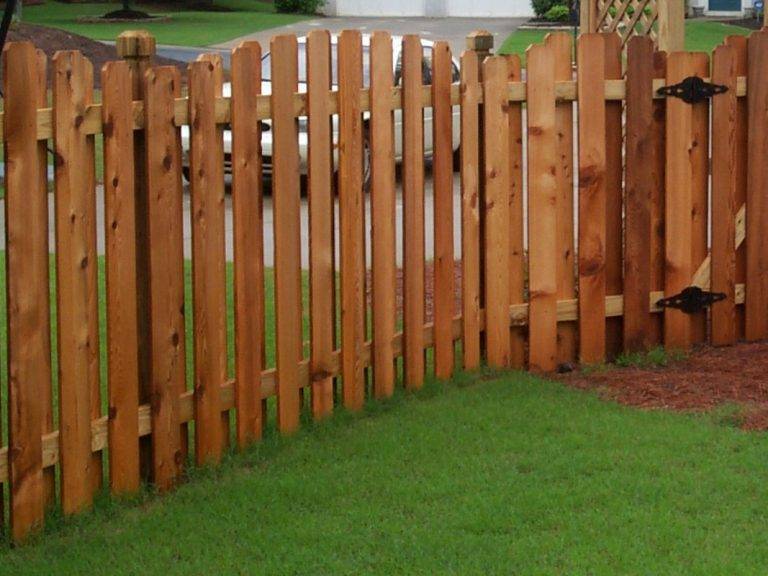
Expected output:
(453, 30)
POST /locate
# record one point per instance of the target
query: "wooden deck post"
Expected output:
(671, 25)
(481, 43)
(587, 16)
(137, 47)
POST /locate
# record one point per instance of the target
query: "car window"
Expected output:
(426, 67)
(266, 64)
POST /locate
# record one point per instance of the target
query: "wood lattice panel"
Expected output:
(628, 18)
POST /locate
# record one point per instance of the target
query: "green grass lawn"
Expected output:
(700, 35)
(487, 475)
(185, 27)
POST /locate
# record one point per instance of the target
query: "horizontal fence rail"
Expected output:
(585, 199)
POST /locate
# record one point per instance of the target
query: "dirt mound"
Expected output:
(707, 378)
(50, 40)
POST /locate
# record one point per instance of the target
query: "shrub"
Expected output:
(541, 7)
(558, 14)
(299, 6)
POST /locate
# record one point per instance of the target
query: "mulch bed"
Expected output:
(707, 378)
(50, 40)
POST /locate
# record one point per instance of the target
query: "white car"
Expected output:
(266, 135)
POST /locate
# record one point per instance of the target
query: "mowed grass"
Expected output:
(490, 474)
(184, 28)
(700, 36)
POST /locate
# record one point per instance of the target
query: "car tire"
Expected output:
(186, 173)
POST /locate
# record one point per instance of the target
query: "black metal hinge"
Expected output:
(691, 300)
(692, 90)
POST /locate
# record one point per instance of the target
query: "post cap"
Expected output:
(480, 41)
(135, 44)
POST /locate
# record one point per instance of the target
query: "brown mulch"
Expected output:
(705, 379)
(429, 287)
(50, 40)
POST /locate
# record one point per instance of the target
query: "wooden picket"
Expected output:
(683, 196)
(656, 174)
(383, 206)
(517, 275)
(757, 181)
(321, 243)
(592, 199)
(206, 186)
(163, 164)
(413, 212)
(286, 198)
(496, 211)
(542, 208)
(724, 184)
(122, 304)
(26, 235)
(470, 210)
(442, 170)
(639, 195)
(351, 209)
(739, 45)
(248, 224)
(643, 233)
(567, 332)
(614, 173)
(76, 288)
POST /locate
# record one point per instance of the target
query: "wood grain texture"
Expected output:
(739, 46)
(248, 225)
(26, 236)
(46, 392)
(286, 198)
(122, 304)
(166, 258)
(683, 199)
(542, 208)
(496, 242)
(567, 332)
(471, 92)
(700, 189)
(592, 200)
(442, 174)
(725, 116)
(322, 285)
(76, 287)
(757, 182)
(641, 155)
(517, 275)
(614, 193)
(383, 231)
(351, 210)
(656, 173)
(413, 213)
(208, 257)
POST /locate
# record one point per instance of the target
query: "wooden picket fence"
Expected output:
(583, 285)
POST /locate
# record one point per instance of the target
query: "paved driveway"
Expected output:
(454, 30)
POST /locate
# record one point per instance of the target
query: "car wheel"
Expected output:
(457, 159)
(186, 173)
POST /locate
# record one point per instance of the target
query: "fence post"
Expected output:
(137, 47)
(481, 43)
(671, 25)
(587, 13)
